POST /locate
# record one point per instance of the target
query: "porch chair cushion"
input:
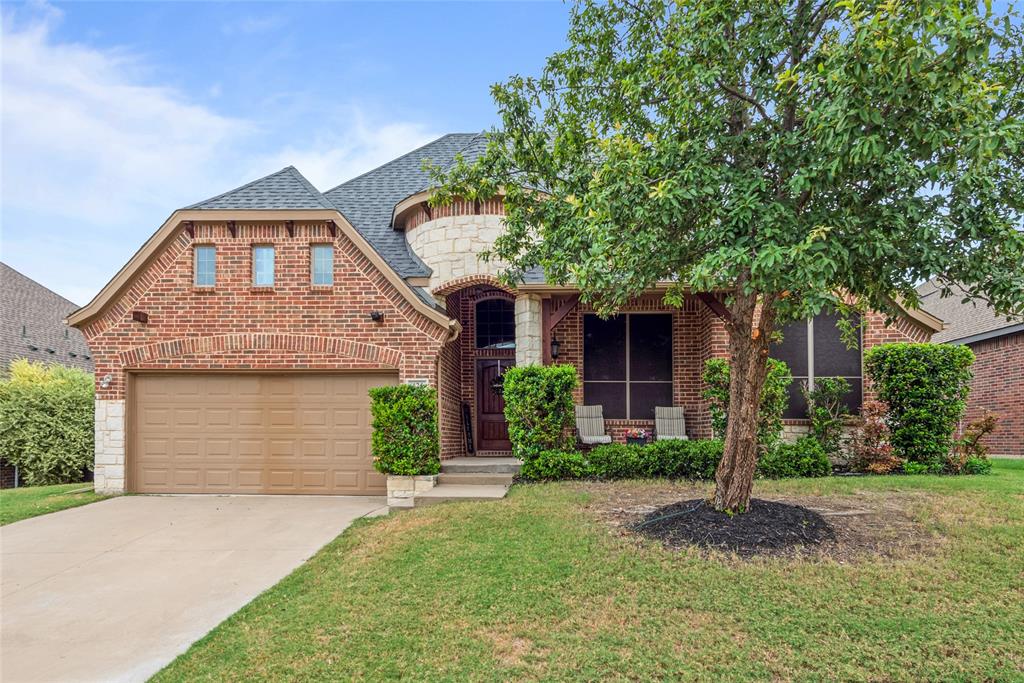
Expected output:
(669, 423)
(590, 425)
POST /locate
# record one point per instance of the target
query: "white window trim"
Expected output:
(312, 264)
(195, 265)
(273, 265)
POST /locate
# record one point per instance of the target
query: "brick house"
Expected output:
(998, 346)
(234, 351)
(32, 327)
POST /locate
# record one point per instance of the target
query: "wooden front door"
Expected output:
(492, 430)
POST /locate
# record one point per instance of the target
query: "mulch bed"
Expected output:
(864, 525)
(768, 527)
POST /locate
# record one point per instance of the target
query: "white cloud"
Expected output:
(95, 155)
(349, 148)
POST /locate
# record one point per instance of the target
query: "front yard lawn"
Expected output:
(31, 501)
(547, 585)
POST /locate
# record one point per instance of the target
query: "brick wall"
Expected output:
(7, 478)
(234, 325)
(449, 390)
(998, 386)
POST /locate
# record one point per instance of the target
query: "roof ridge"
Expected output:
(38, 284)
(396, 159)
(240, 187)
(310, 187)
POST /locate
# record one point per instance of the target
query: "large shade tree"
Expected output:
(790, 156)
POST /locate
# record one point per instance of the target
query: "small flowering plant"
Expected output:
(636, 433)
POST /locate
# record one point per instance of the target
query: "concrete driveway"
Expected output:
(114, 590)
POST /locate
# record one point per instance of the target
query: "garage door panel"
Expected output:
(222, 433)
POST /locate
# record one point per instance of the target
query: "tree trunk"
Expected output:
(748, 350)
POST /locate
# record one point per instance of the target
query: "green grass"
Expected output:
(535, 587)
(32, 501)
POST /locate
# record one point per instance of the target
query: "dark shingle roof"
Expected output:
(33, 316)
(963, 321)
(286, 189)
(367, 201)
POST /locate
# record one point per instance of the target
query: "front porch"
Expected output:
(649, 355)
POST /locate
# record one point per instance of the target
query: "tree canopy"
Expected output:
(806, 151)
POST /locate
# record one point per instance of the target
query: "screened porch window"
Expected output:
(815, 349)
(627, 364)
(495, 324)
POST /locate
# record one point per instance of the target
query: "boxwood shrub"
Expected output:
(539, 408)
(925, 388)
(555, 465)
(46, 422)
(405, 439)
(674, 459)
(805, 458)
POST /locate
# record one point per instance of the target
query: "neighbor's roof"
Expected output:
(33, 316)
(964, 322)
(286, 189)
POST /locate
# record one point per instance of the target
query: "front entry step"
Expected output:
(481, 466)
(475, 478)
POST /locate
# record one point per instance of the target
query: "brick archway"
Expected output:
(369, 353)
(465, 281)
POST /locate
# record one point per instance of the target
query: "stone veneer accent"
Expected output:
(451, 245)
(108, 473)
(403, 489)
(529, 350)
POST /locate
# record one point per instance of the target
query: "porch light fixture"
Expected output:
(555, 345)
(376, 316)
(107, 379)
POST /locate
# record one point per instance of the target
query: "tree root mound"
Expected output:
(768, 528)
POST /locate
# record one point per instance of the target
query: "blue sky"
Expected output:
(115, 114)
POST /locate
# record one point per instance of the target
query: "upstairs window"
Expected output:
(263, 266)
(321, 261)
(627, 364)
(495, 324)
(815, 349)
(205, 265)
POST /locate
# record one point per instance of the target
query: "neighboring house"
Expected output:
(32, 326)
(235, 350)
(998, 346)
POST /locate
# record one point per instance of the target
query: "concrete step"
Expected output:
(481, 465)
(474, 478)
(444, 493)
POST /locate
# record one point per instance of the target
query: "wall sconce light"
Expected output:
(555, 345)
(376, 316)
(140, 317)
(107, 379)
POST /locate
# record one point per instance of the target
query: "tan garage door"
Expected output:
(253, 433)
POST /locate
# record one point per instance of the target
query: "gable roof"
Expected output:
(286, 189)
(33, 316)
(367, 200)
(964, 322)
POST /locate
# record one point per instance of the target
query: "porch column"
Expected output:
(529, 345)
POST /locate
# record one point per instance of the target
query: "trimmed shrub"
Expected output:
(539, 408)
(616, 461)
(970, 455)
(925, 388)
(405, 440)
(805, 458)
(676, 459)
(555, 465)
(46, 422)
(679, 459)
(976, 465)
(774, 398)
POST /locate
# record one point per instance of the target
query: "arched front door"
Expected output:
(495, 353)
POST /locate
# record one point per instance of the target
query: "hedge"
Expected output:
(925, 388)
(405, 440)
(46, 422)
(805, 458)
(539, 408)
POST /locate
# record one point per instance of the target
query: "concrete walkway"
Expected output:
(114, 590)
